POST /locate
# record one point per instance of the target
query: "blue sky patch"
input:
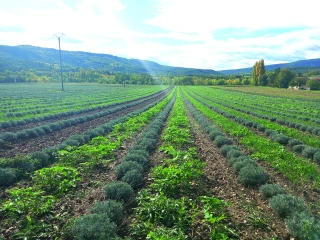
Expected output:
(240, 33)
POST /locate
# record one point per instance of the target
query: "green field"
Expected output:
(279, 92)
(158, 162)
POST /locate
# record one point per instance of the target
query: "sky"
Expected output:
(206, 34)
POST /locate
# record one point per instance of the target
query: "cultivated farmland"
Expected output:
(158, 162)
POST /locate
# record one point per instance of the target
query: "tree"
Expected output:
(298, 81)
(284, 77)
(272, 76)
(313, 84)
(259, 77)
(246, 82)
(313, 73)
(254, 76)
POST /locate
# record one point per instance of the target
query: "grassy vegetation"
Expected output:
(276, 92)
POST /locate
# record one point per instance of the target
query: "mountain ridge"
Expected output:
(23, 57)
(81, 59)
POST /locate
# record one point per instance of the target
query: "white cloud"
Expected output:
(91, 18)
(202, 17)
(207, 15)
(187, 39)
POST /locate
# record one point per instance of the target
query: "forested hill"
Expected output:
(298, 66)
(25, 56)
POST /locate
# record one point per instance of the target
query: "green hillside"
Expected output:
(24, 56)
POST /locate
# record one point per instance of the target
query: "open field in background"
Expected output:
(191, 162)
(24, 101)
(280, 92)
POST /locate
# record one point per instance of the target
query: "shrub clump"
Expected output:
(248, 124)
(226, 148)
(23, 163)
(251, 175)
(234, 153)
(118, 191)
(22, 135)
(46, 128)
(111, 208)
(238, 165)
(72, 142)
(5, 124)
(294, 142)
(79, 138)
(233, 160)
(207, 129)
(316, 157)
(308, 152)
(303, 226)
(9, 137)
(261, 128)
(292, 124)
(124, 167)
(316, 131)
(55, 126)
(32, 133)
(270, 132)
(147, 143)
(270, 190)
(214, 133)
(42, 157)
(303, 128)
(280, 138)
(40, 131)
(299, 148)
(91, 133)
(94, 226)
(222, 140)
(7, 176)
(137, 156)
(133, 177)
(285, 205)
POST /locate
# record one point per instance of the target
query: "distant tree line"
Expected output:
(43, 72)
(283, 78)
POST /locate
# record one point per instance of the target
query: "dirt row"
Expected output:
(249, 211)
(55, 138)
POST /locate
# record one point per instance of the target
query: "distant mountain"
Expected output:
(27, 56)
(300, 65)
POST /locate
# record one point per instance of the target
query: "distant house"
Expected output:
(302, 87)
